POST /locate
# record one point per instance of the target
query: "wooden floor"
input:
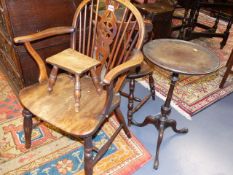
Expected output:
(206, 150)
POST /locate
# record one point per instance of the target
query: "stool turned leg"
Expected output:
(96, 81)
(52, 78)
(130, 101)
(88, 161)
(77, 93)
(152, 86)
(27, 126)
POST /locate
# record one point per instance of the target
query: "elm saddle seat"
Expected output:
(117, 52)
(61, 101)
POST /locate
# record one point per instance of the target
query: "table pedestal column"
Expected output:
(161, 121)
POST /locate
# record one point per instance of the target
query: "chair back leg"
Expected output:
(228, 71)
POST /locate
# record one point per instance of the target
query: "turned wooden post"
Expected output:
(27, 126)
(228, 71)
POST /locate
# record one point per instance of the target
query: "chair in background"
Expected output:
(229, 66)
(97, 36)
(181, 13)
(218, 10)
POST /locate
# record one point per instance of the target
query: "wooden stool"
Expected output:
(142, 71)
(229, 66)
(75, 63)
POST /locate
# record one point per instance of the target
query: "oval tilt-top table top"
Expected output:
(181, 56)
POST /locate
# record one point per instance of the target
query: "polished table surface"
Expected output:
(156, 8)
(181, 56)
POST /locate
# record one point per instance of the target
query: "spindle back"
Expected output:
(108, 31)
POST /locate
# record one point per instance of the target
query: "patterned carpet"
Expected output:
(194, 93)
(54, 153)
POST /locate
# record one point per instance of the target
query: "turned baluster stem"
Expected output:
(166, 109)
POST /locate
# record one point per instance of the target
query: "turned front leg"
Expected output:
(52, 78)
(88, 159)
(77, 93)
(27, 126)
(166, 108)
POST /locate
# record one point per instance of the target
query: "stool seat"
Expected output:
(72, 61)
(144, 70)
(89, 115)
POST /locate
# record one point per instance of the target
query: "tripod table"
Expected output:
(177, 57)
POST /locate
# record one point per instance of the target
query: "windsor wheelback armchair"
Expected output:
(116, 45)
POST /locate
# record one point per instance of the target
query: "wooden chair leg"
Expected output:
(152, 86)
(226, 33)
(228, 71)
(130, 100)
(27, 126)
(88, 159)
(121, 120)
(52, 78)
(77, 93)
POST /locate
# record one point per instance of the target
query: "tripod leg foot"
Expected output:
(159, 141)
(172, 124)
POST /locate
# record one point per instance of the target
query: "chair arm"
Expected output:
(44, 34)
(135, 60)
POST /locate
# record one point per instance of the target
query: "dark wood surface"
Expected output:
(175, 56)
(228, 71)
(23, 17)
(160, 14)
(217, 9)
(181, 56)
